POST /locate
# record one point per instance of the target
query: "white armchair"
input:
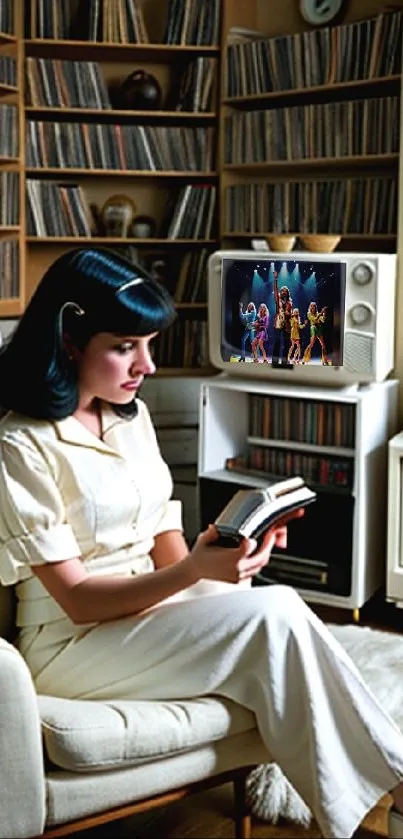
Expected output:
(76, 763)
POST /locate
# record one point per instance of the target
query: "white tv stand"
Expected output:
(338, 440)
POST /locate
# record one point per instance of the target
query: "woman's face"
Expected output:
(112, 367)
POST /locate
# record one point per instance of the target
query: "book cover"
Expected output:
(253, 511)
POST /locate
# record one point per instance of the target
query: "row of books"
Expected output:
(59, 83)
(365, 49)
(56, 210)
(343, 205)
(193, 22)
(197, 85)
(321, 423)
(63, 210)
(9, 269)
(191, 283)
(318, 471)
(121, 147)
(120, 21)
(7, 24)
(183, 345)
(8, 70)
(9, 131)
(359, 127)
(9, 198)
(191, 215)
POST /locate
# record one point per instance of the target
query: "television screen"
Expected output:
(283, 313)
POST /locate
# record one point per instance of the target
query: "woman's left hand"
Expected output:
(277, 536)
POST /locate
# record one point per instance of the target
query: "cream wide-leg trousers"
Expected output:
(264, 648)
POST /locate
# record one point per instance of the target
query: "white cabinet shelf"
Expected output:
(336, 553)
(394, 576)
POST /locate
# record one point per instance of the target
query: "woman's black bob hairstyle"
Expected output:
(85, 291)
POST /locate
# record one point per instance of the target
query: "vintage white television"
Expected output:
(326, 319)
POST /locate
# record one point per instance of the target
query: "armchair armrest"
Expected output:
(22, 779)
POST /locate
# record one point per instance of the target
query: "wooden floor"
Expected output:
(207, 815)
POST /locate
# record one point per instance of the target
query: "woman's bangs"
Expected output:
(145, 310)
(134, 316)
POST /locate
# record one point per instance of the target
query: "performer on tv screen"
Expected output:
(248, 318)
(282, 322)
(262, 325)
(294, 353)
(316, 320)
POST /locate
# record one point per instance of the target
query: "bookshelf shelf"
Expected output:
(6, 229)
(107, 240)
(7, 40)
(114, 115)
(369, 161)
(8, 161)
(119, 173)
(104, 51)
(7, 89)
(385, 84)
(269, 442)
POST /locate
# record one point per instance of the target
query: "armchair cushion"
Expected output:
(88, 736)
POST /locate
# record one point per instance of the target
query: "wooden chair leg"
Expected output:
(242, 815)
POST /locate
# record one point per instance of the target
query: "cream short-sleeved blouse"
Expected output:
(64, 493)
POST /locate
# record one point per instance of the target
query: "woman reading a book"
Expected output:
(112, 603)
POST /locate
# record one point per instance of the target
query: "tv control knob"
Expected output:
(361, 313)
(363, 273)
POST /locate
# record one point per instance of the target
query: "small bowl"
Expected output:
(281, 242)
(319, 242)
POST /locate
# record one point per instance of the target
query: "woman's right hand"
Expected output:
(232, 565)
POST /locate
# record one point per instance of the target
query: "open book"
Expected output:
(252, 511)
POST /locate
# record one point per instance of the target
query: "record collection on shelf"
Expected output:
(312, 128)
(332, 205)
(362, 50)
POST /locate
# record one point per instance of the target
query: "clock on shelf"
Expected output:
(323, 12)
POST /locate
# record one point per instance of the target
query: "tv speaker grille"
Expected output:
(359, 353)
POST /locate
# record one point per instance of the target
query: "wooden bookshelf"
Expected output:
(171, 57)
